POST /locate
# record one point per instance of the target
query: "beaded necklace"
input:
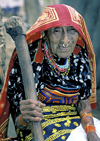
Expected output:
(59, 69)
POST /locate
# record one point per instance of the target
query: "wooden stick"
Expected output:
(15, 28)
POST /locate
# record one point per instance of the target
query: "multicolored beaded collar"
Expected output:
(59, 69)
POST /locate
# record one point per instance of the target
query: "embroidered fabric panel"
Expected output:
(59, 94)
(24, 135)
(3, 128)
(57, 123)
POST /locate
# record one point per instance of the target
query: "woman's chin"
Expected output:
(63, 55)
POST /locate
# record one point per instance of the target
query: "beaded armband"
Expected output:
(20, 120)
(89, 128)
(88, 114)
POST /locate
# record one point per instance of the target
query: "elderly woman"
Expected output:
(63, 62)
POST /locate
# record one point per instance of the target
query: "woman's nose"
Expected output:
(65, 38)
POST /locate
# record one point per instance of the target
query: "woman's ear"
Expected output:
(43, 34)
(45, 37)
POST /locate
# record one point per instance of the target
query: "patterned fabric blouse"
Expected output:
(79, 77)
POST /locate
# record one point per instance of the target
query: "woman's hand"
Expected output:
(92, 136)
(31, 110)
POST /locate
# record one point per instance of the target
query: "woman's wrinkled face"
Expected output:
(62, 40)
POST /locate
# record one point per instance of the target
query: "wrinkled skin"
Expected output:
(84, 107)
(55, 38)
(92, 136)
(31, 110)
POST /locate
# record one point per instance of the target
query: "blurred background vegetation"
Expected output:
(30, 10)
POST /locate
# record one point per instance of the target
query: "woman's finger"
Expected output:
(31, 119)
(31, 101)
(30, 107)
(33, 113)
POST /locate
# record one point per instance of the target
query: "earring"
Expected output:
(43, 34)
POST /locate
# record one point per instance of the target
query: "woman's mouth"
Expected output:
(64, 47)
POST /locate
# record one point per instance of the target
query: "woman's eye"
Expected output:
(56, 30)
(71, 30)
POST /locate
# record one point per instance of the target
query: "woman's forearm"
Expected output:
(87, 122)
(85, 112)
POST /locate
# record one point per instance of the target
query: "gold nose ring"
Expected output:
(65, 45)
